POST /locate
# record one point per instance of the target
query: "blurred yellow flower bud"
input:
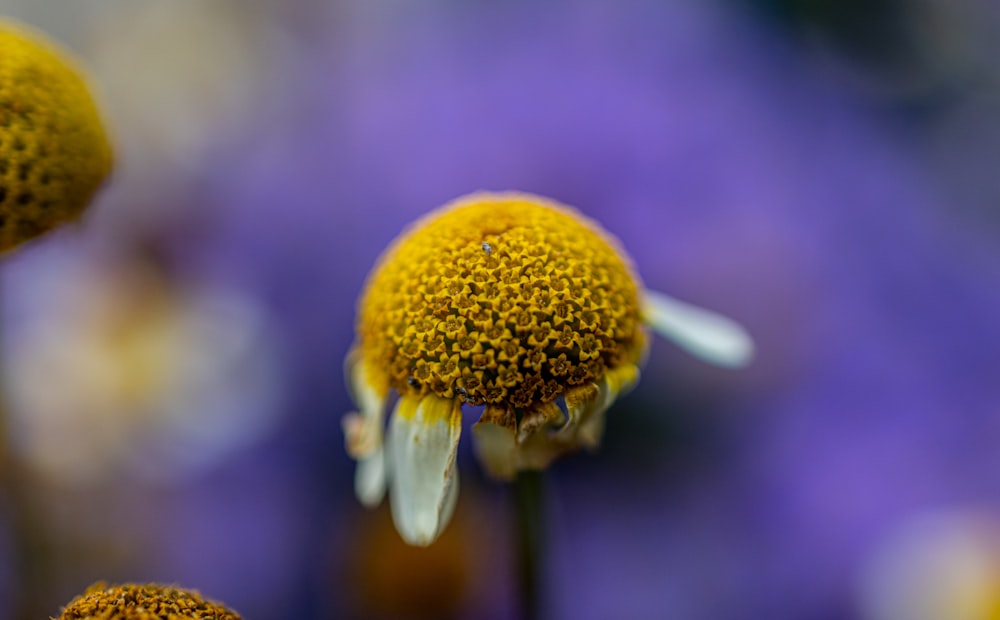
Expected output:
(54, 153)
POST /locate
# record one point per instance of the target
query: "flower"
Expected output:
(939, 565)
(125, 367)
(53, 150)
(510, 302)
(143, 602)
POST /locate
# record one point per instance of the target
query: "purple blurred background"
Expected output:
(820, 171)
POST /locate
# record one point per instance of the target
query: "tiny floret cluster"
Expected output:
(514, 304)
(53, 150)
(143, 602)
(508, 307)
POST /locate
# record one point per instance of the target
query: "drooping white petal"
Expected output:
(495, 441)
(703, 333)
(366, 396)
(363, 435)
(370, 478)
(423, 441)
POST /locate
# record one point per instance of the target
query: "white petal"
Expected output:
(423, 440)
(366, 396)
(703, 333)
(363, 434)
(369, 478)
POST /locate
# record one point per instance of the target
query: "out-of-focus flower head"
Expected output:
(511, 302)
(176, 105)
(143, 602)
(943, 566)
(117, 367)
(53, 150)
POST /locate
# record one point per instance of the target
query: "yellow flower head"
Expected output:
(53, 150)
(515, 303)
(143, 602)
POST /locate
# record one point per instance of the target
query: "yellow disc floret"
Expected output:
(507, 300)
(53, 150)
(143, 602)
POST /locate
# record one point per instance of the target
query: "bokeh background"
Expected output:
(821, 171)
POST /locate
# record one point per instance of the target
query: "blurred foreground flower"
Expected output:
(118, 368)
(53, 150)
(938, 567)
(515, 303)
(143, 602)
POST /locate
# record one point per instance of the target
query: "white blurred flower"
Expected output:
(185, 82)
(180, 77)
(119, 369)
(937, 567)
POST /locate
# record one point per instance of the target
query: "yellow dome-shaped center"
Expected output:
(53, 150)
(500, 299)
(143, 602)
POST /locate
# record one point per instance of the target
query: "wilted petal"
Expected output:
(586, 406)
(539, 419)
(423, 440)
(496, 441)
(591, 429)
(538, 444)
(539, 450)
(705, 334)
(361, 436)
(578, 401)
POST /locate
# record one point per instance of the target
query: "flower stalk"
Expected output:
(529, 522)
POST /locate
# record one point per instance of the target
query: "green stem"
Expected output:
(529, 522)
(31, 548)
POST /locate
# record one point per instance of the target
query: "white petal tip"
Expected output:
(705, 334)
(421, 530)
(423, 440)
(419, 534)
(370, 480)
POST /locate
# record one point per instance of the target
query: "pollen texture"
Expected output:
(53, 150)
(500, 299)
(143, 602)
